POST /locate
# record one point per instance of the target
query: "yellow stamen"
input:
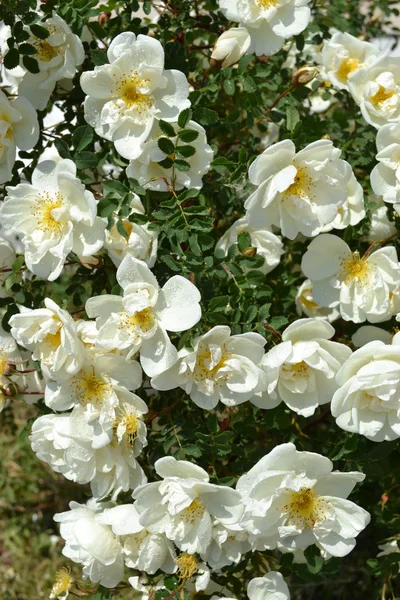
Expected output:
(129, 423)
(193, 512)
(90, 388)
(45, 51)
(54, 339)
(45, 204)
(187, 566)
(301, 185)
(202, 369)
(62, 583)
(305, 509)
(381, 96)
(347, 67)
(142, 320)
(267, 3)
(355, 268)
(128, 90)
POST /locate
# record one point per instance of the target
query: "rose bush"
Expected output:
(198, 213)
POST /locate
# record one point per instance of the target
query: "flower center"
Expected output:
(204, 368)
(193, 512)
(305, 509)
(54, 339)
(91, 388)
(142, 320)
(45, 204)
(3, 362)
(128, 90)
(45, 51)
(347, 67)
(187, 566)
(267, 3)
(62, 583)
(300, 187)
(381, 96)
(126, 425)
(355, 268)
(299, 369)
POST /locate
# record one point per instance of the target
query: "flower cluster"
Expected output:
(182, 320)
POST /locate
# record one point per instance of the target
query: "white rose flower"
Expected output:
(57, 55)
(268, 245)
(367, 401)
(360, 286)
(381, 228)
(299, 192)
(385, 177)
(148, 171)
(295, 499)
(353, 210)
(141, 242)
(301, 370)
(231, 46)
(343, 55)
(184, 504)
(19, 128)
(305, 304)
(142, 549)
(377, 91)
(140, 319)
(227, 547)
(49, 333)
(388, 548)
(269, 22)
(221, 367)
(99, 389)
(90, 543)
(127, 95)
(270, 587)
(70, 446)
(54, 215)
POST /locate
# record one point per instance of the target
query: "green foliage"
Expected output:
(235, 106)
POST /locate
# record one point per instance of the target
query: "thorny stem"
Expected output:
(272, 330)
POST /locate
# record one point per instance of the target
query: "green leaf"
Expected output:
(27, 49)
(11, 59)
(147, 8)
(40, 32)
(166, 145)
(82, 137)
(249, 85)
(292, 117)
(184, 117)
(192, 450)
(185, 151)
(31, 64)
(85, 160)
(181, 165)
(205, 116)
(107, 206)
(167, 128)
(229, 87)
(62, 148)
(97, 29)
(99, 57)
(188, 135)
(244, 241)
(121, 229)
